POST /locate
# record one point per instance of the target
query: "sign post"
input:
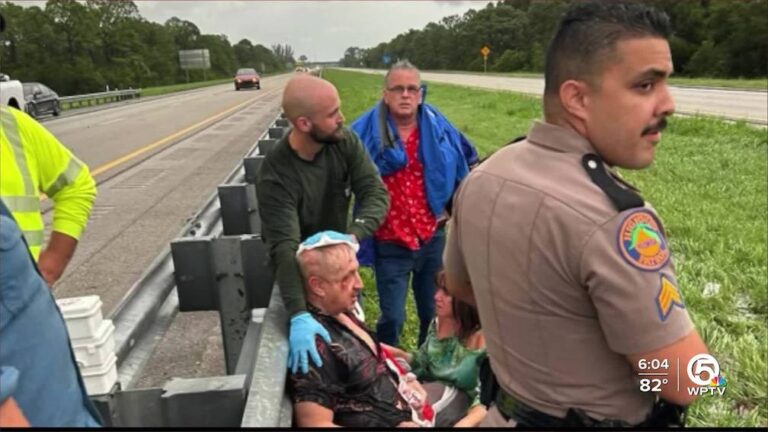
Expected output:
(485, 51)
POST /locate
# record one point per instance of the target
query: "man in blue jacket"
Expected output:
(421, 158)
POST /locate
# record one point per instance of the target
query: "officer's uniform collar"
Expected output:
(558, 138)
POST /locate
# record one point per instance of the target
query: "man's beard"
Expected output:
(332, 138)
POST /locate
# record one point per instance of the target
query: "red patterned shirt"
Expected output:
(409, 218)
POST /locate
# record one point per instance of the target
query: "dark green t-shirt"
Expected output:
(298, 198)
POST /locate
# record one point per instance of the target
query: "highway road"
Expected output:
(751, 106)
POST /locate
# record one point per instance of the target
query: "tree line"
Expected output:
(712, 38)
(81, 47)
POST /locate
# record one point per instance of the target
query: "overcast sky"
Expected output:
(321, 30)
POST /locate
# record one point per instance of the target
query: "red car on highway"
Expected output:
(247, 77)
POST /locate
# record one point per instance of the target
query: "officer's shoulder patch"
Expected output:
(668, 297)
(641, 241)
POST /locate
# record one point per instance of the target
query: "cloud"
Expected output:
(321, 30)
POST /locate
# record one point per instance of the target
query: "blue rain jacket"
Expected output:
(36, 361)
(445, 153)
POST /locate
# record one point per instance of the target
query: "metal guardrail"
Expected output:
(99, 98)
(253, 391)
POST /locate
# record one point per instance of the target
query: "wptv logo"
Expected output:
(704, 371)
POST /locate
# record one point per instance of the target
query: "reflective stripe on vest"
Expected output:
(34, 238)
(66, 177)
(25, 208)
(18, 204)
(12, 133)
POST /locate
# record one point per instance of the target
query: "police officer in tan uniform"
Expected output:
(569, 267)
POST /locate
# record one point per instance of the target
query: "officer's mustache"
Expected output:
(658, 127)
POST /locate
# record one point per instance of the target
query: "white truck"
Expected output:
(11, 92)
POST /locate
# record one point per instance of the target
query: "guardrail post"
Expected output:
(239, 214)
(231, 274)
(106, 405)
(266, 145)
(251, 165)
(139, 408)
(194, 273)
(232, 295)
(257, 272)
(276, 132)
(281, 122)
(204, 402)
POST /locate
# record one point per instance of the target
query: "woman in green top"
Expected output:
(448, 358)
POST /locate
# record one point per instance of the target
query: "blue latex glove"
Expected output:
(301, 342)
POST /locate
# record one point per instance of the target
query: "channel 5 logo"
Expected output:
(704, 371)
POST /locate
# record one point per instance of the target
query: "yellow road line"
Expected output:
(138, 152)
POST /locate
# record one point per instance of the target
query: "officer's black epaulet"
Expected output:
(622, 199)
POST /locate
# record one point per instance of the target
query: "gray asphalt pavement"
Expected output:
(99, 137)
(139, 209)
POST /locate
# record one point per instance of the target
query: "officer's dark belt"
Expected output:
(526, 416)
(663, 414)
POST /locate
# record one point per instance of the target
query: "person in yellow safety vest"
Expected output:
(33, 162)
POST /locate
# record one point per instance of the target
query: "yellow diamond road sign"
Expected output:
(485, 51)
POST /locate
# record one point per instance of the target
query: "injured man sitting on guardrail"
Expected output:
(359, 383)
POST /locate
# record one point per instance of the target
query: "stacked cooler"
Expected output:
(92, 339)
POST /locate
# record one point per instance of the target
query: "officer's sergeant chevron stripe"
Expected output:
(668, 297)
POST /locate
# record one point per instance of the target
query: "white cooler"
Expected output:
(82, 315)
(96, 350)
(99, 379)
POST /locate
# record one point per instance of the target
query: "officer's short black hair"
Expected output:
(587, 35)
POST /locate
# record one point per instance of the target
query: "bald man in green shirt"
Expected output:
(305, 185)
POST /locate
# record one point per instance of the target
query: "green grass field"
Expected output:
(729, 83)
(709, 185)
